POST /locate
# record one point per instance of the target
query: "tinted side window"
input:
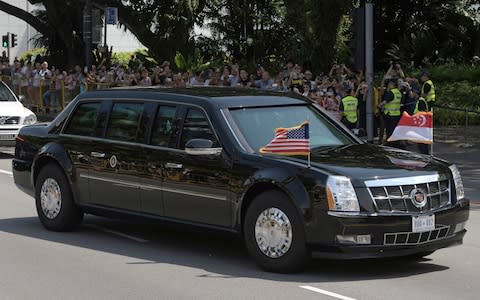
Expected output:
(84, 119)
(196, 126)
(163, 127)
(124, 121)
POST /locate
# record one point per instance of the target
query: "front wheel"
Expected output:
(274, 233)
(53, 198)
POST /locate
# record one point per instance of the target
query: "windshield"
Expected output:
(5, 94)
(258, 125)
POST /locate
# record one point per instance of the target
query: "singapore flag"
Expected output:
(417, 128)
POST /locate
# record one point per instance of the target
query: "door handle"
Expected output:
(97, 154)
(173, 166)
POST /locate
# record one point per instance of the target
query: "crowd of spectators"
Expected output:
(327, 89)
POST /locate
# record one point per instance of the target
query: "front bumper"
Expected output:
(391, 235)
(7, 137)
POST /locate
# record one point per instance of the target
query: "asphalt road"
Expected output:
(108, 259)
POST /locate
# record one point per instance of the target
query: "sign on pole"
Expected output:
(111, 15)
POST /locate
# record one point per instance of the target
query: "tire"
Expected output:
(287, 259)
(58, 211)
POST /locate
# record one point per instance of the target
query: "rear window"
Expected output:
(124, 121)
(84, 120)
(163, 127)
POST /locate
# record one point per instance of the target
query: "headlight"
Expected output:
(341, 195)
(30, 120)
(457, 179)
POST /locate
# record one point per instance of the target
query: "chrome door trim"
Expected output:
(149, 187)
(184, 192)
(114, 181)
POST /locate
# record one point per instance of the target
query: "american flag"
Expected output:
(290, 141)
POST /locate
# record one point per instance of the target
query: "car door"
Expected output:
(196, 188)
(77, 139)
(162, 140)
(115, 159)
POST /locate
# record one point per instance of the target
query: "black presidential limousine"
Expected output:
(191, 155)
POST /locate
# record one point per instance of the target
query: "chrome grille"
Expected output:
(4, 120)
(415, 238)
(396, 199)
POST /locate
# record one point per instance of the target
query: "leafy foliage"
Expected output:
(269, 32)
(425, 32)
(32, 53)
(192, 63)
(121, 58)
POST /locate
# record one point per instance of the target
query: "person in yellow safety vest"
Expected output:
(421, 105)
(349, 109)
(428, 89)
(391, 103)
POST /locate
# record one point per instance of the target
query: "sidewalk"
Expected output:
(450, 145)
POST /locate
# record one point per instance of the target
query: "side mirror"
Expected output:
(21, 98)
(201, 147)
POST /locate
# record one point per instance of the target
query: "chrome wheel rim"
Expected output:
(273, 232)
(50, 198)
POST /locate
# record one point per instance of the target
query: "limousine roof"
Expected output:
(218, 96)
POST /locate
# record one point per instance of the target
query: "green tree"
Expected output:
(60, 24)
(318, 23)
(163, 26)
(250, 32)
(425, 31)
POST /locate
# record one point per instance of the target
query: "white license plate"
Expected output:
(423, 223)
(7, 136)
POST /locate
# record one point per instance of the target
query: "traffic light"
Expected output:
(5, 41)
(14, 40)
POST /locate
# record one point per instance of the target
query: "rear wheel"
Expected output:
(274, 233)
(53, 198)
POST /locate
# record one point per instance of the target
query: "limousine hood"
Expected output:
(369, 162)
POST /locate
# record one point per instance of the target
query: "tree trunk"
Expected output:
(25, 16)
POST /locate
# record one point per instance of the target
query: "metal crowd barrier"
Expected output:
(33, 96)
(466, 112)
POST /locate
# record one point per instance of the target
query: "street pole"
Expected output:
(28, 26)
(8, 47)
(105, 31)
(369, 66)
(87, 32)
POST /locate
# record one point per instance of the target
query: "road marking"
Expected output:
(124, 235)
(6, 172)
(331, 294)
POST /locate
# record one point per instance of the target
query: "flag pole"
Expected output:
(433, 132)
(308, 134)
